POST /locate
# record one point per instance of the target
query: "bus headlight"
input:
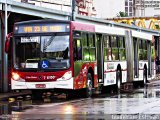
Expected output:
(15, 76)
(67, 75)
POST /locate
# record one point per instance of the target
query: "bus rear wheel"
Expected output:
(118, 79)
(145, 77)
(89, 86)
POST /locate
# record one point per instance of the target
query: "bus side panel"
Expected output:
(110, 72)
(81, 77)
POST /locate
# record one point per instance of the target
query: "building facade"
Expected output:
(147, 7)
(137, 8)
(129, 7)
(109, 8)
(83, 7)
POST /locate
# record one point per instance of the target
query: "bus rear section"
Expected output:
(124, 57)
(143, 58)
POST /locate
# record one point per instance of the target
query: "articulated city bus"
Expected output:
(124, 56)
(68, 55)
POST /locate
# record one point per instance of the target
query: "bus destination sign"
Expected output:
(44, 28)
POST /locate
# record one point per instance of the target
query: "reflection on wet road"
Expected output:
(140, 101)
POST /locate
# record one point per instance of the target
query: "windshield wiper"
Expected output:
(48, 43)
(50, 57)
(59, 58)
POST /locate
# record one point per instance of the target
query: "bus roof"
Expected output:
(109, 30)
(142, 35)
(82, 26)
(90, 28)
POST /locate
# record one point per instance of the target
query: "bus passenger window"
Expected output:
(92, 54)
(152, 52)
(142, 50)
(91, 40)
(77, 50)
(107, 48)
(122, 50)
(92, 48)
(122, 54)
(145, 50)
(140, 54)
(109, 54)
(114, 45)
(115, 54)
(86, 54)
(85, 38)
(113, 41)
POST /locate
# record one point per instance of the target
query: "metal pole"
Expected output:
(6, 26)
(4, 57)
(73, 9)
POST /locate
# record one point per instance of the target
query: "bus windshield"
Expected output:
(42, 52)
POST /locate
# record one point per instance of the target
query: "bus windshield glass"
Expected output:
(42, 52)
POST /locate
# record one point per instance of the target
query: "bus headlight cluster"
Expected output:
(67, 75)
(15, 76)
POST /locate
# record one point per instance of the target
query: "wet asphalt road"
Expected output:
(141, 101)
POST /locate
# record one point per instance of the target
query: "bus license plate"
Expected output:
(40, 85)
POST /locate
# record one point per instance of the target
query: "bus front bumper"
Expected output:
(62, 84)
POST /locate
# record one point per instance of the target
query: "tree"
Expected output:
(122, 14)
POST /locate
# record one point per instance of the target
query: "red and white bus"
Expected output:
(68, 55)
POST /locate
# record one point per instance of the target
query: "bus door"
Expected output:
(77, 52)
(100, 59)
(136, 61)
(157, 51)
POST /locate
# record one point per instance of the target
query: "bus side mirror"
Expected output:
(7, 43)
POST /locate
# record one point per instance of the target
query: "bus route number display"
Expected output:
(42, 28)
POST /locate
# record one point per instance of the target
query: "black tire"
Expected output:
(144, 76)
(89, 86)
(118, 79)
(37, 94)
(69, 95)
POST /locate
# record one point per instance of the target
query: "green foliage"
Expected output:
(122, 14)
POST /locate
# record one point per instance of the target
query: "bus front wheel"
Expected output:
(37, 94)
